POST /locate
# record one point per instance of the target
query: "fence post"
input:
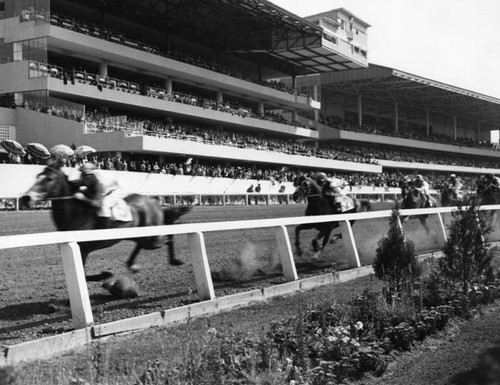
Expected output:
(350, 245)
(77, 285)
(441, 231)
(285, 253)
(201, 268)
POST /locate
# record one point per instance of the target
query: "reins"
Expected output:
(60, 198)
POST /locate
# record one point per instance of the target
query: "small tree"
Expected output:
(467, 258)
(395, 262)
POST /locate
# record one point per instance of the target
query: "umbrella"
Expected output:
(84, 150)
(12, 146)
(38, 150)
(61, 150)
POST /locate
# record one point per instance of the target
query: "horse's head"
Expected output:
(50, 183)
(413, 199)
(304, 186)
(301, 184)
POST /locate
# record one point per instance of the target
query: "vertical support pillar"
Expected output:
(351, 250)
(316, 111)
(478, 133)
(220, 97)
(454, 127)
(201, 268)
(77, 285)
(285, 253)
(360, 110)
(260, 108)
(427, 123)
(103, 69)
(168, 85)
(396, 117)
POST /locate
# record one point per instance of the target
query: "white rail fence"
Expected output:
(74, 271)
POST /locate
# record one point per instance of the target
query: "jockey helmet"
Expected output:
(453, 176)
(419, 177)
(87, 168)
(321, 176)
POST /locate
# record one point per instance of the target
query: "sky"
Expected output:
(456, 42)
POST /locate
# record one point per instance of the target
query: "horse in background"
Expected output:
(488, 194)
(69, 214)
(319, 204)
(448, 196)
(414, 199)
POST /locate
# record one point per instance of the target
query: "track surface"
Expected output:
(33, 300)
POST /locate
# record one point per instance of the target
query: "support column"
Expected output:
(316, 112)
(478, 132)
(168, 85)
(427, 123)
(396, 117)
(294, 115)
(103, 69)
(360, 111)
(454, 127)
(220, 97)
(260, 108)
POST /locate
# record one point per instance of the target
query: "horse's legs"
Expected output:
(298, 229)
(171, 252)
(132, 266)
(423, 221)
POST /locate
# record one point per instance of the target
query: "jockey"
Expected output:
(332, 189)
(455, 186)
(492, 181)
(420, 184)
(102, 195)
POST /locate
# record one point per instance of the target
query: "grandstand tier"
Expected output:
(241, 85)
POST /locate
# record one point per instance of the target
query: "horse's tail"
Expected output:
(171, 214)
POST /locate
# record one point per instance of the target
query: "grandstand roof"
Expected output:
(384, 83)
(257, 30)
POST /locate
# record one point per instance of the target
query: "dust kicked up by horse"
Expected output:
(69, 213)
(319, 204)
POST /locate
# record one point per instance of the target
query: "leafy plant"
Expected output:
(467, 258)
(395, 262)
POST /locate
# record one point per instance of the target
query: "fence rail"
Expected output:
(74, 271)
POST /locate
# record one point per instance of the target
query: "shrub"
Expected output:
(395, 262)
(467, 258)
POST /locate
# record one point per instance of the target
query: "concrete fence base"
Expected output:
(50, 347)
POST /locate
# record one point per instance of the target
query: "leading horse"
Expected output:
(319, 204)
(70, 214)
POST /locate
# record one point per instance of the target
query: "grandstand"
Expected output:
(241, 85)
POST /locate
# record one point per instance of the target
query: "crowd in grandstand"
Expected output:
(235, 170)
(358, 153)
(415, 133)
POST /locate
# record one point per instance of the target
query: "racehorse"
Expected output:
(71, 214)
(414, 199)
(488, 194)
(448, 196)
(319, 204)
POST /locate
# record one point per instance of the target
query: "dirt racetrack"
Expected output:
(33, 301)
